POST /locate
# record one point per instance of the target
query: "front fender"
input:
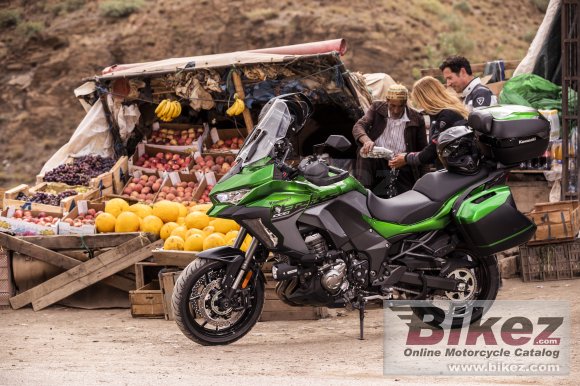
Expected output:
(233, 257)
(225, 254)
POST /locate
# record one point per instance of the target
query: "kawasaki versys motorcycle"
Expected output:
(334, 243)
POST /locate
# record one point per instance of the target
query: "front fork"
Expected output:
(242, 273)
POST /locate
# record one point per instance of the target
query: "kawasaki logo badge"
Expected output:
(521, 141)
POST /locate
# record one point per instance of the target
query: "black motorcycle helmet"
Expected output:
(299, 106)
(458, 151)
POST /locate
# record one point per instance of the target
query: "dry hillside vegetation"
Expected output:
(47, 47)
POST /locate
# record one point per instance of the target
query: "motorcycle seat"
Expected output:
(427, 196)
(406, 208)
(441, 185)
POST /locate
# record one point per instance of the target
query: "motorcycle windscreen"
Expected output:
(491, 223)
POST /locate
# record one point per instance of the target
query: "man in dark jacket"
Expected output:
(458, 75)
(393, 125)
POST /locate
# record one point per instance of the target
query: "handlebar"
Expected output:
(340, 175)
(289, 172)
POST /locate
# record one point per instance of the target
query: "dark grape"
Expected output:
(46, 198)
(81, 170)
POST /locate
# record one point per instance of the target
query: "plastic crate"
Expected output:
(550, 261)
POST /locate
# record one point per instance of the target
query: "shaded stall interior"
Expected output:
(335, 93)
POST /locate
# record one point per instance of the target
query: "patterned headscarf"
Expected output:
(397, 92)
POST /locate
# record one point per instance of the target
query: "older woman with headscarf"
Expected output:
(445, 111)
(393, 125)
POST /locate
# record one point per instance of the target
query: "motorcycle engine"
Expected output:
(316, 244)
(333, 272)
(333, 279)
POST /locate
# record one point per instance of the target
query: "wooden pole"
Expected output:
(240, 91)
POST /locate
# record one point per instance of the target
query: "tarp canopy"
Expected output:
(267, 55)
(544, 54)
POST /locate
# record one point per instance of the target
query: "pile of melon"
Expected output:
(182, 228)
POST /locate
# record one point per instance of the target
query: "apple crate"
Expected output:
(66, 228)
(224, 141)
(176, 137)
(139, 163)
(10, 201)
(218, 163)
(140, 180)
(11, 221)
(172, 184)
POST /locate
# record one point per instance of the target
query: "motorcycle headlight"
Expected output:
(232, 197)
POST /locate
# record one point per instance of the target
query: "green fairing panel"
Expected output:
(299, 192)
(480, 205)
(250, 176)
(267, 192)
(511, 112)
(439, 221)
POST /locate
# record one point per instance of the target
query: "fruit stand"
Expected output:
(173, 129)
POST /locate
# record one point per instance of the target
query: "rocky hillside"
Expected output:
(47, 47)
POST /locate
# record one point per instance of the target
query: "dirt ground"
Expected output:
(70, 346)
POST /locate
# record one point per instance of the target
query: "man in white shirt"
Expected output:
(393, 125)
(458, 75)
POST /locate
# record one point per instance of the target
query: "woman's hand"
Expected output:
(397, 161)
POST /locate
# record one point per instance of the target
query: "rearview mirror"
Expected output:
(338, 142)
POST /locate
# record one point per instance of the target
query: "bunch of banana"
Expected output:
(237, 107)
(168, 110)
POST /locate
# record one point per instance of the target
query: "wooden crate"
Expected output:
(147, 301)
(103, 182)
(216, 135)
(276, 310)
(18, 226)
(10, 200)
(6, 290)
(180, 259)
(120, 174)
(151, 151)
(86, 229)
(555, 221)
(167, 281)
(146, 272)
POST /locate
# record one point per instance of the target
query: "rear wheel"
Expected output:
(202, 311)
(453, 309)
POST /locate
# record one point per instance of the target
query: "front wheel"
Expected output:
(202, 311)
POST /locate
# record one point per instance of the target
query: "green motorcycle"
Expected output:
(335, 244)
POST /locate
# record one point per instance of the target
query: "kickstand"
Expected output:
(361, 310)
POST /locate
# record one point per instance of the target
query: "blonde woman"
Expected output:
(445, 111)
